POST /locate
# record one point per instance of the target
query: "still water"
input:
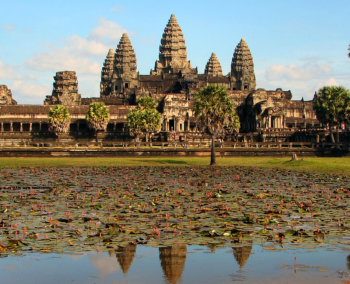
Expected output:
(180, 264)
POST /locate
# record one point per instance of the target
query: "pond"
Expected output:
(179, 264)
(173, 224)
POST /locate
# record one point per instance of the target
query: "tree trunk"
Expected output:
(337, 138)
(331, 134)
(212, 157)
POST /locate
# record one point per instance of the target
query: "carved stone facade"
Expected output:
(6, 96)
(173, 54)
(173, 83)
(213, 67)
(65, 90)
(242, 68)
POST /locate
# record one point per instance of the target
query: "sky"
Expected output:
(296, 45)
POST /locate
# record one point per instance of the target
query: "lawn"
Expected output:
(323, 165)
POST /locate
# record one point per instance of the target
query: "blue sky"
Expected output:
(296, 45)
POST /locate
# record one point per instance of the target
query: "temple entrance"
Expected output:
(171, 124)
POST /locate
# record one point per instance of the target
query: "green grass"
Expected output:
(324, 165)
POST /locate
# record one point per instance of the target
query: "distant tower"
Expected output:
(65, 90)
(6, 96)
(173, 55)
(242, 68)
(107, 73)
(213, 67)
(125, 68)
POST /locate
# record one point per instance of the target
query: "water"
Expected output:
(179, 264)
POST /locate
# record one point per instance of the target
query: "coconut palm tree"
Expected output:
(59, 120)
(332, 107)
(215, 111)
(97, 117)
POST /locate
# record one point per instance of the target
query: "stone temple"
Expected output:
(265, 115)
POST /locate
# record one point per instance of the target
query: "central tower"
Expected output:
(173, 55)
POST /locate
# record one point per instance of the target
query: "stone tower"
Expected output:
(6, 96)
(173, 55)
(125, 68)
(65, 90)
(107, 73)
(242, 68)
(213, 67)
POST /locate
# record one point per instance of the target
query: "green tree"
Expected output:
(144, 118)
(215, 111)
(59, 119)
(97, 117)
(332, 107)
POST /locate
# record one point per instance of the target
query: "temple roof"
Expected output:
(213, 67)
(107, 68)
(125, 58)
(172, 49)
(242, 58)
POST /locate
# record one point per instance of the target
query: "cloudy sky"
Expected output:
(296, 45)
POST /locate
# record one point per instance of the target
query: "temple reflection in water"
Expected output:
(173, 258)
(173, 261)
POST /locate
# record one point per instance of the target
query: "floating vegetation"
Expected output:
(80, 209)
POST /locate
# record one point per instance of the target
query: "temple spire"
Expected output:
(125, 58)
(173, 55)
(106, 73)
(242, 68)
(213, 67)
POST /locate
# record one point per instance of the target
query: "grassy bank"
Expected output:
(334, 165)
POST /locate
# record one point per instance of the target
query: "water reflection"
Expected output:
(174, 264)
(173, 261)
(125, 256)
(242, 254)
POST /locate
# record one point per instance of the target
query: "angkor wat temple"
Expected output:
(264, 115)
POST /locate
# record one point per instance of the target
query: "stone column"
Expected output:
(21, 126)
(11, 126)
(30, 127)
(40, 127)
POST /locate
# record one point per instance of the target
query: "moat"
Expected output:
(175, 225)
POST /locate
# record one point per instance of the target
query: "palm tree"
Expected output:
(59, 120)
(97, 117)
(332, 107)
(215, 111)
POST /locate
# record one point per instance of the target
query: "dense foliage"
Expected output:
(59, 119)
(144, 118)
(332, 107)
(97, 116)
(215, 112)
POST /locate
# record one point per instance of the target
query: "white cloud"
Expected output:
(62, 60)
(105, 264)
(306, 72)
(8, 72)
(83, 55)
(118, 9)
(30, 91)
(107, 31)
(9, 27)
(303, 80)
